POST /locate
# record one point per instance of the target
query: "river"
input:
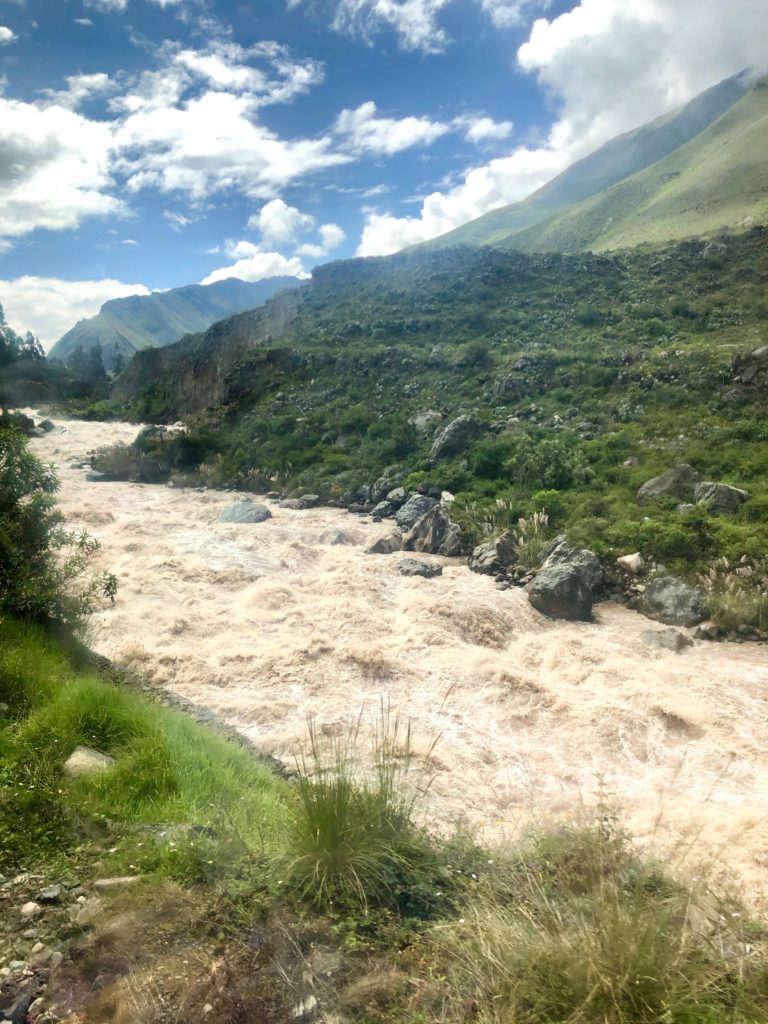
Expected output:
(266, 624)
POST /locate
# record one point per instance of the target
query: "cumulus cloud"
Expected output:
(53, 168)
(259, 265)
(83, 21)
(331, 237)
(363, 131)
(79, 89)
(508, 13)
(107, 5)
(6, 35)
(48, 306)
(479, 129)
(279, 223)
(609, 67)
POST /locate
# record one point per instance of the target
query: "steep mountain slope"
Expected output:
(717, 180)
(147, 321)
(615, 161)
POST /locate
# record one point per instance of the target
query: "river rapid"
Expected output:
(267, 624)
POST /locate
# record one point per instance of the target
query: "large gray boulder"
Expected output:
(434, 533)
(245, 511)
(384, 510)
(417, 567)
(561, 592)
(722, 499)
(385, 483)
(673, 602)
(678, 482)
(414, 508)
(584, 561)
(494, 556)
(456, 436)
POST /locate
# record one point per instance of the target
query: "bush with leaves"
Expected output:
(45, 570)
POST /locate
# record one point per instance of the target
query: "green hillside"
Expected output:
(146, 321)
(719, 180)
(619, 160)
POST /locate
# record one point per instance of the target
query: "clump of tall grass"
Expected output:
(532, 536)
(582, 930)
(354, 839)
(737, 593)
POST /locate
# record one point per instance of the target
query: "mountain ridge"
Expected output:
(135, 322)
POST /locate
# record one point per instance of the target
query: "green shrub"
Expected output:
(44, 570)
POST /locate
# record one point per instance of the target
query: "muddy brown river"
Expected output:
(266, 624)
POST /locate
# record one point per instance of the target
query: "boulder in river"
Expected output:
(296, 504)
(666, 639)
(582, 560)
(670, 600)
(414, 508)
(386, 543)
(310, 500)
(384, 509)
(417, 567)
(722, 499)
(561, 592)
(678, 482)
(494, 556)
(434, 533)
(245, 511)
(456, 437)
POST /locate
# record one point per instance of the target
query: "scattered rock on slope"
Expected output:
(456, 436)
(678, 482)
(722, 499)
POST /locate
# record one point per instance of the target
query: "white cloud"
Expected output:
(258, 266)
(54, 168)
(6, 35)
(364, 131)
(509, 13)
(83, 21)
(609, 67)
(107, 5)
(80, 88)
(331, 237)
(48, 306)
(178, 221)
(129, 241)
(279, 223)
(480, 129)
(414, 21)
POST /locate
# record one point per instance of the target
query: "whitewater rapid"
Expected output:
(267, 624)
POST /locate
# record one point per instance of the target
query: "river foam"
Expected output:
(266, 624)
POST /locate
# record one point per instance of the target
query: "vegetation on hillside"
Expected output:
(589, 374)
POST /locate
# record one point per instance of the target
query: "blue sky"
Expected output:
(146, 144)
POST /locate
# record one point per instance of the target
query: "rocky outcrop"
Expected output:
(456, 437)
(679, 482)
(631, 563)
(384, 510)
(387, 482)
(416, 567)
(673, 602)
(414, 508)
(560, 591)
(494, 556)
(434, 533)
(721, 499)
(752, 369)
(245, 511)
